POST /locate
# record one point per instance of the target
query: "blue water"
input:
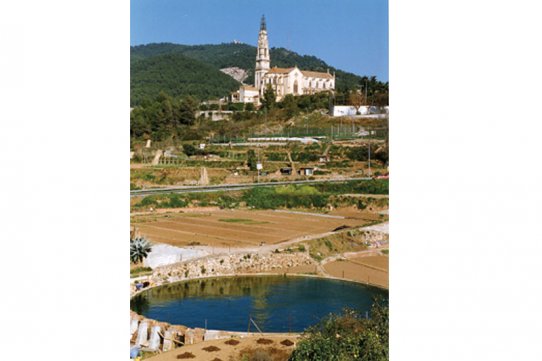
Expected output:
(275, 303)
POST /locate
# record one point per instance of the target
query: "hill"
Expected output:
(178, 76)
(243, 56)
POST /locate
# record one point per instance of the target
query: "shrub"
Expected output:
(285, 197)
(347, 336)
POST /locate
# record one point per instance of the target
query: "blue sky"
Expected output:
(351, 35)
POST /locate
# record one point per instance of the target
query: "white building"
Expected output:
(282, 80)
(245, 94)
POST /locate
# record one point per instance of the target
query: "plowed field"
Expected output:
(237, 228)
(372, 269)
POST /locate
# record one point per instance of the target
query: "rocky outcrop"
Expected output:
(236, 73)
(228, 265)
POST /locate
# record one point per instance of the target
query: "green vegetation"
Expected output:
(252, 161)
(285, 197)
(178, 76)
(171, 200)
(140, 271)
(242, 55)
(241, 220)
(269, 98)
(162, 117)
(360, 202)
(347, 241)
(168, 81)
(139, 249)
(373, 186)
(317, 196)
(385, 251)
(347, 337)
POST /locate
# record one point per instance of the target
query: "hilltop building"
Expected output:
(283, 80)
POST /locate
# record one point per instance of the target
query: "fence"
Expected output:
(333, 132)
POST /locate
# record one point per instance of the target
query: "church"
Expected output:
(282, 80)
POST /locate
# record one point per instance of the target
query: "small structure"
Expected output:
(246, 94)
(157, 157)
(286, 171)
(204, 178)
(307, 171)
(215, 115)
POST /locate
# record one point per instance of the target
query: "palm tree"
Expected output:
(139, 249)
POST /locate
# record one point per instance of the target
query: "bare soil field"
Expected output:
(237, 228)
(277, 349)
(381, 262)
(372, 269)
(306, 269)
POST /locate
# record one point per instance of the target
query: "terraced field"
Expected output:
(372, 269)
(238, 228)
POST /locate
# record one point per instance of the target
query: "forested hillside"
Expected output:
(228, 55)
(178, 76)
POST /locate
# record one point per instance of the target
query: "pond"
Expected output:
(275, 303)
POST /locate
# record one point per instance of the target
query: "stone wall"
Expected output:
(227, 265)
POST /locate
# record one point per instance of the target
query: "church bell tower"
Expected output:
(262, 57)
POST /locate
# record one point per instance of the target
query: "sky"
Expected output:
(351, 35)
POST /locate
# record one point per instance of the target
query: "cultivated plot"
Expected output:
(238, 228)
(372, 269)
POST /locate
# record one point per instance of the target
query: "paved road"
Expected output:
(231, 187)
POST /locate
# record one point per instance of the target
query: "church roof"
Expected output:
(276, 70)
(316, 74)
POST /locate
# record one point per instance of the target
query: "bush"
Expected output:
(358, 153)
(171, 200)
(285, 197)
(347, 336)
(373, 186)
(238, 107)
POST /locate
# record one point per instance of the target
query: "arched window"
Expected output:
(295, 87)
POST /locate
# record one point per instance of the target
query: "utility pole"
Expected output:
(258, 165)
(369, 148)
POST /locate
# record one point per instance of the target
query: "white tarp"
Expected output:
(163, 254)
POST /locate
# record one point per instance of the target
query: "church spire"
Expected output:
(262, 56)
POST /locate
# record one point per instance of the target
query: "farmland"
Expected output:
(241, 228)
(371, 269)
